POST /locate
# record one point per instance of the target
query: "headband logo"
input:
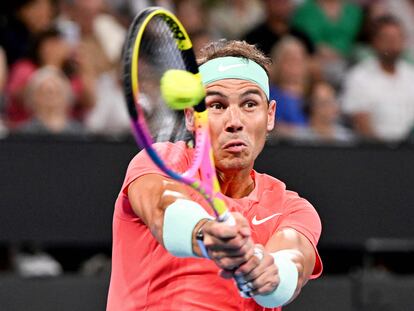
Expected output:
(222, 68)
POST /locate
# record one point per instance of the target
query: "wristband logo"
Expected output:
(256, 221)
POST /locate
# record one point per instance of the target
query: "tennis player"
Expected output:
(169, 253)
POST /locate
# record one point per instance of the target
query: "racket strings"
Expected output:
(158, 53)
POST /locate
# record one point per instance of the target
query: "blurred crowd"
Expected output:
(342, 71)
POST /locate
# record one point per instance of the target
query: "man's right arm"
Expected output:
(150, 195)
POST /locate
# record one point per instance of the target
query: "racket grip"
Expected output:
(227, 218)
(244, 289)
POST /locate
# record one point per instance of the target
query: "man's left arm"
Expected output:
(287, 264)
(298, 249)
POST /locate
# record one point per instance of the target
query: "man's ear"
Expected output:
(271, 115)
(189, 119)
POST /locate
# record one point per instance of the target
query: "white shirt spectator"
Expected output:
(388, 98)
(404, 11)
(109, 116)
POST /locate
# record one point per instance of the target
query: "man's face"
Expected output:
(389, 43)
(239, 119)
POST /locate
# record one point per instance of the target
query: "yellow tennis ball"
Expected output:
(181, 89)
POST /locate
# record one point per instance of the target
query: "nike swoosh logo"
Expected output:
(255, 221)
(222, 67)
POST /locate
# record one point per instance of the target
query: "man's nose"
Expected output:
(233, 122)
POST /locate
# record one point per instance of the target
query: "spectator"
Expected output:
(275, 26)
(372, 9)
(333, 26)
(49, 49)
(49, 96)
(100, 45)
(404, 11)
(233, 18)
(324, 115)
(109, 116)
(378, 93)
(24, 19)
(289, 76)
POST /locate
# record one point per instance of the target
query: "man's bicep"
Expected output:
(149, 196)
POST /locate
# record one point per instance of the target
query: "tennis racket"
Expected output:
(157, 42)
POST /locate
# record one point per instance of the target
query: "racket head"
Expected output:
(156, 42)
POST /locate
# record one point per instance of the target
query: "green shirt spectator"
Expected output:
(329, 23)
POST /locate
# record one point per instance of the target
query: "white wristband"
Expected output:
(288, 275)
(180, 218)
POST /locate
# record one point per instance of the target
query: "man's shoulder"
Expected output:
(363, 68)
(407, 68)
(274, 192)
(169, 152)
(269, 183)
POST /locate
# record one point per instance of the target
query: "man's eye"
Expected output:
(216, 106)
(250, 104)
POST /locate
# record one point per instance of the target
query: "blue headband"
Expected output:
(230, 67)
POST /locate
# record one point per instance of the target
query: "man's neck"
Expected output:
(237, 185)
(389, 68)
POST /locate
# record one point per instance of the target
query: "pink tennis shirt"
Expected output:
(146, 277)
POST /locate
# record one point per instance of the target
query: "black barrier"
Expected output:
(340, 293)
(63, 191)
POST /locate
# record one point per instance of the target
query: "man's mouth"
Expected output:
(235, 146)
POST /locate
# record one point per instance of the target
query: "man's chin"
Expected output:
(233, 165)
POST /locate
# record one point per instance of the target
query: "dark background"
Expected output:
(59, 193)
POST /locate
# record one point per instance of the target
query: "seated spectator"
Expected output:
(404, 11)
(362, 48)
(375, 9)
(324, 115)
(378, 93)
(49, 96)
(289, 78)
(49, 49)
(109, 116)
(24, 19)
(101, 38)
(275, 26)
(333, 26)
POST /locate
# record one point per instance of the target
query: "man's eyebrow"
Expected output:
(215, 93)
(250, 92)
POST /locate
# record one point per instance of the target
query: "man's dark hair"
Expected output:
(380, 22)
(235, 48)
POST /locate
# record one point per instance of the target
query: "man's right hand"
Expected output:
(229, 246)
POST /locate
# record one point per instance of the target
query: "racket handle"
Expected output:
(244, 289)
(227, 218)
